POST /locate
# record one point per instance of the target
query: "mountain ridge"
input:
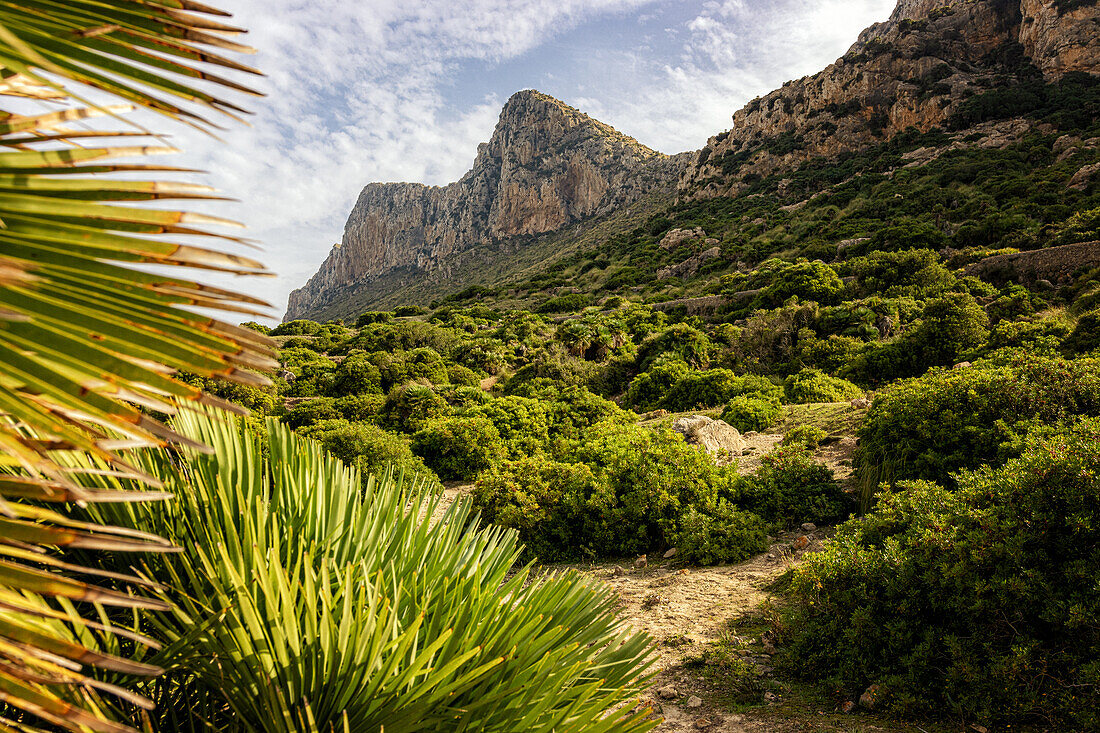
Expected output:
(546, 166)
(923, 69)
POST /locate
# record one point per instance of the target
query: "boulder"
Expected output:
(713, 435)
(1080, 180)
(869, 697)
(678, 237)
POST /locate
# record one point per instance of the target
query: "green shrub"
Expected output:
(523, 423)
(258, 400)
(550, 504)
(653, 476)
(792, 488)
(814, 281)
(369, 317)
(407, 408)
(749, 413)
(723, 534)
(462, 376)
(257, 327)
(312, 411)
(360, 407)
(809, 436)
(565, 303)
(649, 388)
(702, 389)
(297, 328)
(1086, 334)
(621, 489)
(829, 354)
(368, 447)
(908, 234)
(357, 375)
(951, 328)
(458, 448)
(405, 311)
(916, 273)
(1040, 336)
(574, 409)
(981, 602)
(681, 341)
(928, 428)
(814, 385)
(561, 369)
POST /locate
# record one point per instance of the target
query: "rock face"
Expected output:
(546, 166)
(713, 435)
(913, 70)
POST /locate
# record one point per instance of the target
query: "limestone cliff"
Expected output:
(911, 71)
(546, 166)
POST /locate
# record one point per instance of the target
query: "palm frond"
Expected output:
(309, 600)
(89, 345)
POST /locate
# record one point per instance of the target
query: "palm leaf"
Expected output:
(310, 600)
(89, 345)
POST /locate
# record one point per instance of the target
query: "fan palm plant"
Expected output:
(86, 339)
(308, 603)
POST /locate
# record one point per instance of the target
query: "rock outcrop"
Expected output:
(914, 70)
(546, 166)
(713, 435)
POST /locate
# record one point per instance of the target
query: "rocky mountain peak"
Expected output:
(545, 166)
(913, 71)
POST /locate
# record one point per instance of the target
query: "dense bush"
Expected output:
(649, 388)
(809, 436)
(980, 602)
(654, 476)
(630, 498)
(950, 329)
(357, 375)
(574, 409)
(406, 408)
(523, 423)
(312, 411)
(915, 273)
(556, 507)
(814, 385)
(814, 281)
(748, 413)
(681, 341)
(791, 488)
(722, 534)
(928, 428)
(368, 447)
(709, 388)
(369, 317)
(458, 447)
(1086, 334)
(297, 328)
(565, 303)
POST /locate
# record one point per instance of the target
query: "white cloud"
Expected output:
(733, 51)
(355, 95)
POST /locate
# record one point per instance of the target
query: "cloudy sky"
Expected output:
(404, 90)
